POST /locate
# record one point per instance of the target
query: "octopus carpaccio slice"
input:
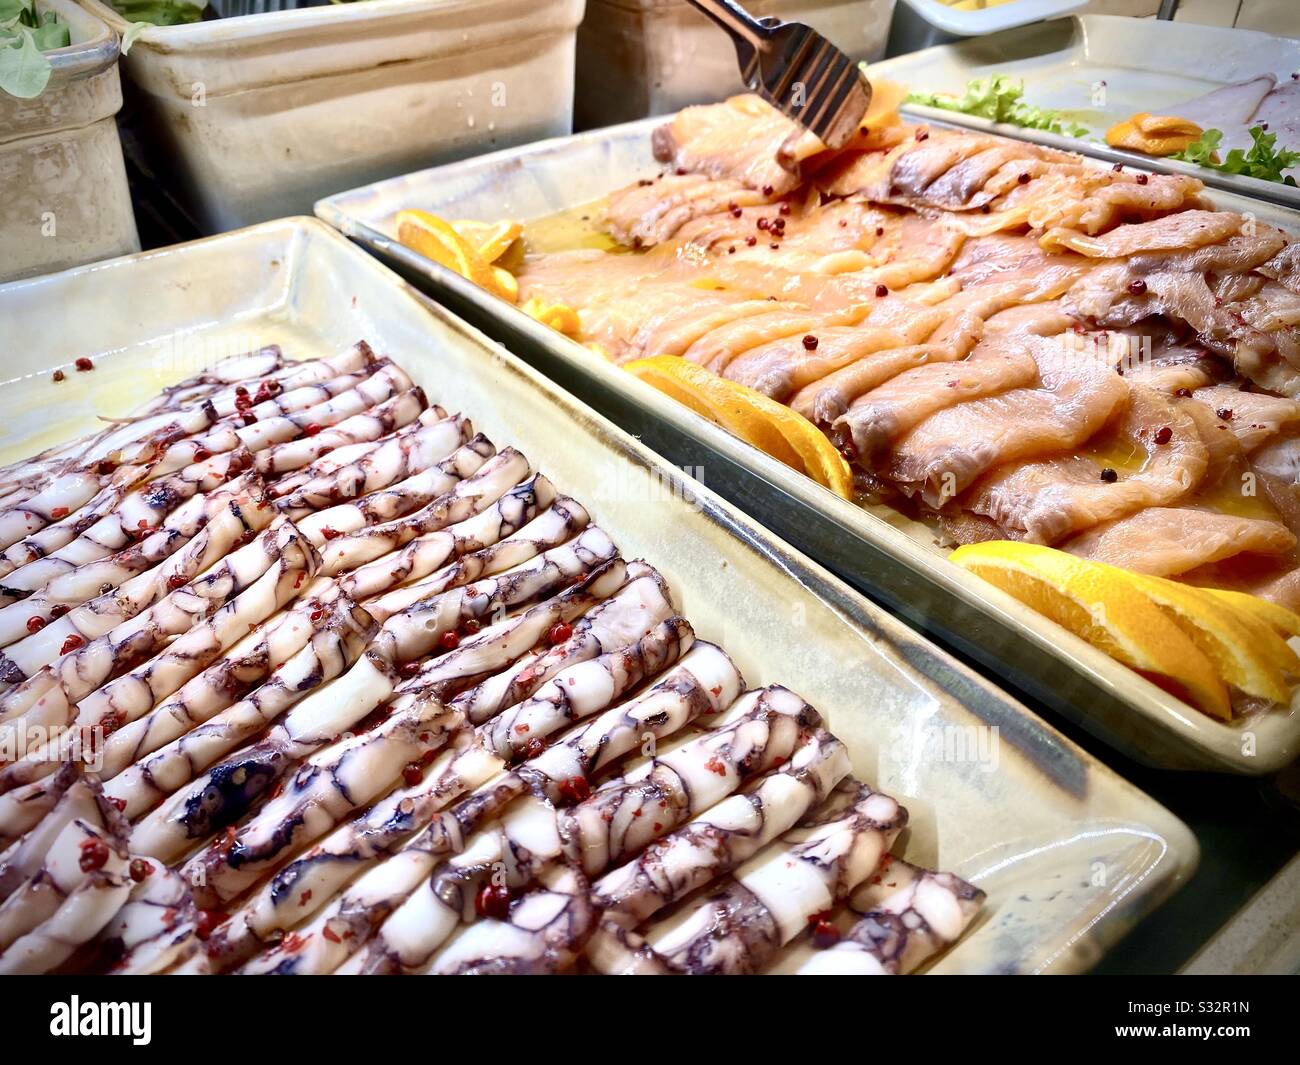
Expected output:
(741, 925)
(301, 674)
(908, 915)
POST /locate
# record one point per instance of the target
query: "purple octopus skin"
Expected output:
(239, 780)
(741, 925)
(132, 693)
(396, 457)
(369, 424)
(402, 498)
(722, 837)
(156, 927)
(426, 554)
(85, 663)
(466, 498)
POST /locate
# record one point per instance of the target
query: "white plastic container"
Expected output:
(647, 57)
(65, 200)
(259, 116)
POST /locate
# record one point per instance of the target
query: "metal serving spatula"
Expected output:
(796, 70)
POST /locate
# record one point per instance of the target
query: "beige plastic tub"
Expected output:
(647, 57)
(251, 118)
(65, 201)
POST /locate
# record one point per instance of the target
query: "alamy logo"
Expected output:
(103, 1018)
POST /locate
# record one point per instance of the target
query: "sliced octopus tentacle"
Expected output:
(64, 494)
(741, 925)
(328, 653)
(244, 667)
(722, 837)
(404, 497)
(506, 517)
(156, 926)
(395, 458)
(370, 424)
(640, 603)
(464, 499)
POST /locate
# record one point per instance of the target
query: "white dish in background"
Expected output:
(249, 118)
(1138, 64)
(1070, 854)
(1004, 16)
(894, 558)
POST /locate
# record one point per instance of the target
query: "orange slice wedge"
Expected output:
(435, 238)
(1283, 621)
(559, 316)
(490, 240)
(768, 425)
(1098, 604)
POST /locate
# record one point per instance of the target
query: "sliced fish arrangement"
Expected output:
(1002, 340)
(301, 674)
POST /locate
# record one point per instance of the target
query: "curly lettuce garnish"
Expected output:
(1263, 160)
(1000, 99)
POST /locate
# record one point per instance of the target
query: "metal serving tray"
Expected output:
(1071, 855)
(1138, 64)
(878, 550)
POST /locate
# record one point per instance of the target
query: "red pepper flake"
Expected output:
(83, 364)
(882, 291)
(293, 942)
(523, 728)
(202, 454)
(312, 429)
(140, 869)
(1137, 286)
(1225, 413)
(411, 773)
(784, 208)
(880, 231)
(1142, 179)
(1023, 179)
(449, 641)
(304, 898)
(250, 418)
(768, 190)
(922, 134)
(118, 804)
(110, 723)
(493, 900)
(559, 633)
(57, 376)
(716, 765)
(35, 623)
(242, 403)
(72, 643)
(176, 580)
(240, 390)
(330, 534)
(409, 669)
(751, 241)
(302, 576)
(774, 246)
(825, 935)
(58, 610)
(731, 250)
(317, 614)
(1118, 168)
(59, 512)
(575, 789)
(1164, 434)
(94, 854)
(472, 626)
(534, 747)
(207, 921)
(330, 934)
(810, 343)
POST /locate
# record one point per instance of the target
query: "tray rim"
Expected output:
(1162, 876)
(1202, 742)
(1271, 191)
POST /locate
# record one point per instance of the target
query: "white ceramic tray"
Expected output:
(1099, 70)
(1070, 855)
(890, 557)
(1004, 16)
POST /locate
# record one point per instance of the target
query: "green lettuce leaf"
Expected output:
(1262, 160)
(1000, 98)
